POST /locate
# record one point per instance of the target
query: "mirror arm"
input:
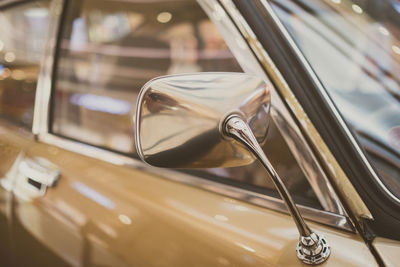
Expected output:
(312, 248)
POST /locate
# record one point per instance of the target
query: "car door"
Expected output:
(81, 196)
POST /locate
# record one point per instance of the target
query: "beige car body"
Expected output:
(152, 221)
(107, 210)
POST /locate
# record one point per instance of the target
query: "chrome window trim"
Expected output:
(265, 201)
(334, 170)
(327, 98)
(41, 131)
(41, 110)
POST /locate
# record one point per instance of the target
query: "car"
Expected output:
(199, 133)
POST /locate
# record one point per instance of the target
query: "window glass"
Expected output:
(22, 35)
(110, 49)
(354, 47)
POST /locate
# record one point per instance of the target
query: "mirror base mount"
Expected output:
(311, 249)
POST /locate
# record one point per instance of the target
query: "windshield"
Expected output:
(354, 48)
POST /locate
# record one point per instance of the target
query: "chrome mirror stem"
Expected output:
(312, 248)
(180, 120)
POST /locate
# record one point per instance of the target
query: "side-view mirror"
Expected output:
(208, 120)
(180, 119)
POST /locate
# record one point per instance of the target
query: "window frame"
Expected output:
(42, 119)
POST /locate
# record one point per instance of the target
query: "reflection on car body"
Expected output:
(75, 192)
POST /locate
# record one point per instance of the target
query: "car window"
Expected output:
(22, 36)
(354, 47)
(110, 49)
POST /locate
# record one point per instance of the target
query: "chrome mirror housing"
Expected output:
(207, 120)
(180, 118)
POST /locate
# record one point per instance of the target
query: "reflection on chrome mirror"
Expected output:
(180, 119)
(208, 120)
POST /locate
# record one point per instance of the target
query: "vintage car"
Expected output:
(269, 131)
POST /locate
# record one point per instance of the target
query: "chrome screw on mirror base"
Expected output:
(313, 249)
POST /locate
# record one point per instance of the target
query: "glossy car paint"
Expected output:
(388, 250)
(108, 215)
